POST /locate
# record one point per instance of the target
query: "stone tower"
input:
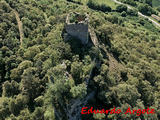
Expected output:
(78, 27)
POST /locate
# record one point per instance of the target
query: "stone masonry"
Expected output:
(78, 30)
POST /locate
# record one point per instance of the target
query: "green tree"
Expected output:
(31, 52)
(149, 2)
(158, 8)
(121, 8)
(24, 115)
(38, 114)
(49, 114)
(79, 91)
(16, 105)
(123, 93)
(99, 116)
(31, 85)
(10, 88)
(132, 12)
(76, 71)
(146, 9)
(4, 107)
(123, 14)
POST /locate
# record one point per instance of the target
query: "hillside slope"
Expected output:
(51, 76)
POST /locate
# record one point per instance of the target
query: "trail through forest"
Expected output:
(20, 26)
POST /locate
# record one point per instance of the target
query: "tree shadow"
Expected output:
(77, 48)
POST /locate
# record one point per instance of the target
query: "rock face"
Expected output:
(78, 29)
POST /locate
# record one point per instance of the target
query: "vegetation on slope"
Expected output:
(156, 3)
(146, 7)
(39, 79)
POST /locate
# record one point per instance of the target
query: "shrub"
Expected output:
(105, 8)
(158, 9)
(79, 91)
(141, 21)
(113, 19)
(92, 5)
(131, 2)
(99, 116)
(121, 8)
(146, 9)
(97, 6)
(149, 2)
(123, 14)
(132, 12)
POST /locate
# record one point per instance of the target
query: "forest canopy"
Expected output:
(44, 72)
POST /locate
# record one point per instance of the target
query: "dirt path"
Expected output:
(20, 26)
(114, 65)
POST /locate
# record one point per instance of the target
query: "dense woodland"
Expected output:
(41, 74)
(147, 7)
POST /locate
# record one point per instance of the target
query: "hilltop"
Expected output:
(48, 74)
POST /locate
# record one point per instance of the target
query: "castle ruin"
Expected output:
(77, 26)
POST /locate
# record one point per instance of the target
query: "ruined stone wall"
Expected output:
(93, 36)
(79, 30)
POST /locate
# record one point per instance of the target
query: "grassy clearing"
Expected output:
(156, 3)
(107, 2)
